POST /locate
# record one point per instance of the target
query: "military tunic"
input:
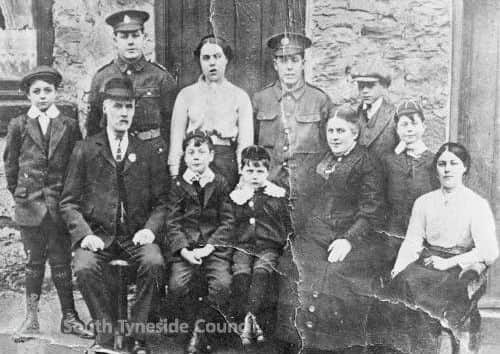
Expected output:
(155, 93)
(290, 125)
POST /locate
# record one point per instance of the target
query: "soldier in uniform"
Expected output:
(289, 120)
(154, 86)
(378, 129)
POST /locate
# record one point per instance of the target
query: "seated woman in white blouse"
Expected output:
(451, 231)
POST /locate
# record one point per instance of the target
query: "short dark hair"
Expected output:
(347, 113)
(255, 155)
(211, 38)
(457, 149)
(199, 137)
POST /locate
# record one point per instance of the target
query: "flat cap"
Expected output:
(42, 72)
(408, 107)
(371, 71)
(127, 20)
(288, 43)
(118, 87)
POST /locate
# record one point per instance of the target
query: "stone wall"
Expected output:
(412, 37)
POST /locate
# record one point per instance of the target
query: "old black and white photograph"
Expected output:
(249, 176)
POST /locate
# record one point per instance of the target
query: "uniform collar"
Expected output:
(296, 93)
(51, 112)
(207, 177)
(418, 150)
(125, 65)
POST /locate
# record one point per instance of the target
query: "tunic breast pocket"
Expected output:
(307, 133)
(148, 106)
(268, 129)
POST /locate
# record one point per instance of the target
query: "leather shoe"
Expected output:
(71, 324)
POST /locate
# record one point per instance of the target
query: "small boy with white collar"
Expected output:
(200, 226)
(262, 227)
(36, 158)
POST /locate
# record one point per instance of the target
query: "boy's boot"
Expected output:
(247, 334)
(70, 322)
(258, 290)
(239, 295)
(30, 325)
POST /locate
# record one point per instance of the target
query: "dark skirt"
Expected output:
(225, 163)
(328, 308)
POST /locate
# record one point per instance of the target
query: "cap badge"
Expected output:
(126, 19)
(285, 41)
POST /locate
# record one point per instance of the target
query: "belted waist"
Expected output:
(148, 134)
(216, 140)
(444, 252)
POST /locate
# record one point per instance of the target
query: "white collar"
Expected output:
(113, 142)
(243, 193)
(375, 107)
(51, 112)
(418, 149)
(207, 177)
(212, 85)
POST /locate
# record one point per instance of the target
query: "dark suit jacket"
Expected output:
(192, 224)
(379, 133)
(35, 177)
(406, 179)
(90, 199)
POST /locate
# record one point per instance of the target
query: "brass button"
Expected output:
(285, 164)
(200, 299)
(149, 93)
(285, 148)
(251, 221)
(309, 324)
(312, 308)
(129, 72)
(250, 204)
(315, 294)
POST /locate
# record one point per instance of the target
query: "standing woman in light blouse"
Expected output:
(450, 240)
(215, 105)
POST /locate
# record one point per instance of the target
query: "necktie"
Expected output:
(44, 122)
(119, 156)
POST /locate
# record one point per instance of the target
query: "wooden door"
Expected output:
(475, 106)
(245, 24)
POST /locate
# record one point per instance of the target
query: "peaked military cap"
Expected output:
(288, 43)
(371, 71)
(42, 72)
(118, 87)
(127, 20)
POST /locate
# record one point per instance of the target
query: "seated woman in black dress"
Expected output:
(336, 255)
(449, 243)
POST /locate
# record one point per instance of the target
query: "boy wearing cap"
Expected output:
(200, 226)
(114, 203)
(378, 132)
(36, 157)
(289, 116)
(154, 86)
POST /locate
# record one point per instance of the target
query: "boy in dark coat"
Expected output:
(200, 225)
(36, 157)
(262, 226)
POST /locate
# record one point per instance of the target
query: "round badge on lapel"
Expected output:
(132, 157)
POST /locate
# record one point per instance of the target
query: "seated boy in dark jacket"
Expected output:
(262, 227)
(200, 225)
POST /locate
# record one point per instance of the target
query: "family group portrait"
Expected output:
(250, 176)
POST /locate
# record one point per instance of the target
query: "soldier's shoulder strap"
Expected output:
(158, 65)
(105, 66)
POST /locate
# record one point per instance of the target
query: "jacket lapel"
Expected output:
(35, 133)
(104, 148)
(209, 190)
(189, 188)
(56, 133)
(380, 121)
(131, 153)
